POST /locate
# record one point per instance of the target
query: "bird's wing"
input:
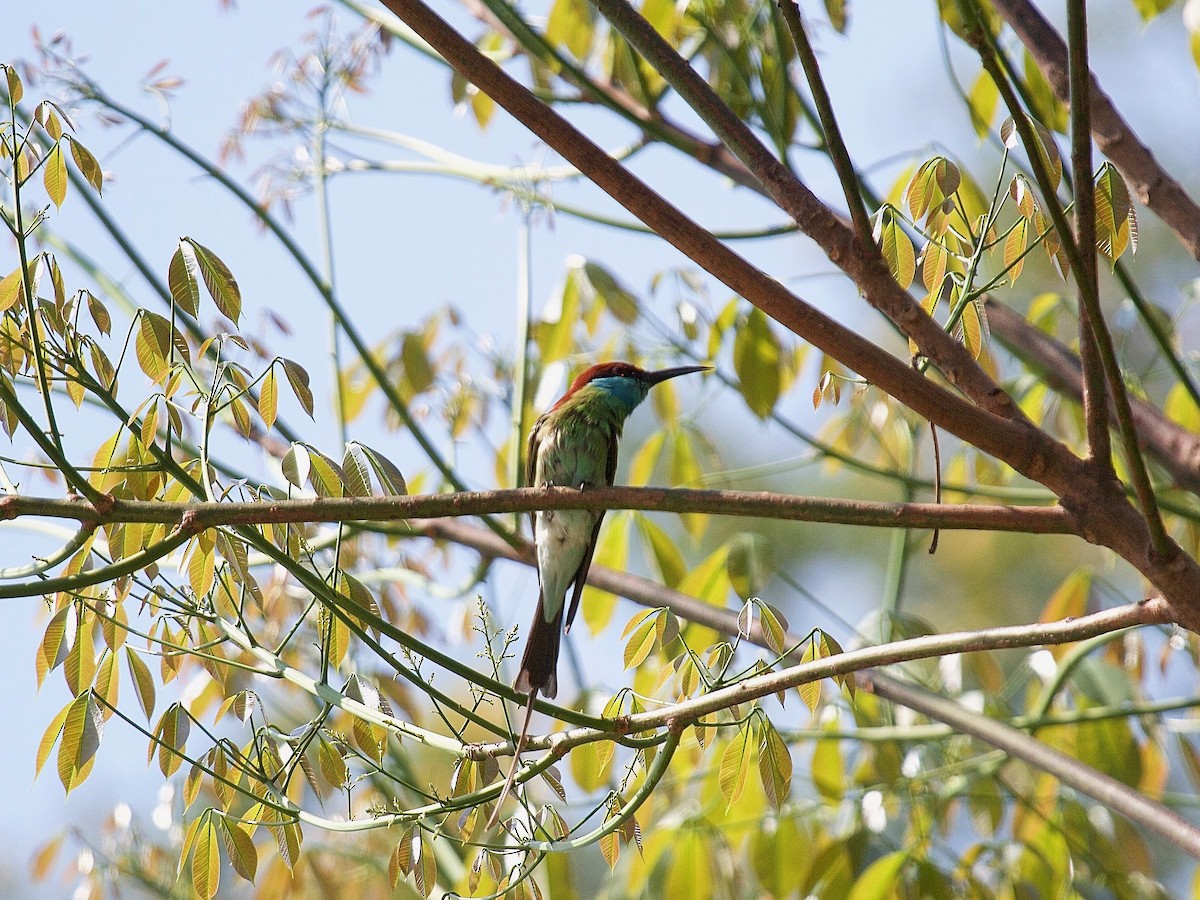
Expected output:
(610, 473)
(582, 572)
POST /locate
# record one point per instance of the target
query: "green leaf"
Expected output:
(12, 289)
(838, 11)
(153, 346)
(974, 327)
(358, 473)
(670, 562)
(1043, 102)
(645, 460)
(325, 476)
(1116, 221)
(222, 286)
(99, 313)
(1070, 599)
(828, 772)
(1149, 9)
(389, 476)
(982, 101)
(239, 847)
(640, 643)
(690, 873)
(620, 302)
(571, 25)
(1181, 408)
(1014, 247)
(16, 90)
(756, 359)
(296, 465)
(749, 564)
(50, 737)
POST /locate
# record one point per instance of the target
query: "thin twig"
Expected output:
(790, 10)
(1116, 796)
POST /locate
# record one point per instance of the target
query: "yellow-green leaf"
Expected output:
(774, 765)
(54, 175)
(206, 859)
(240, 849)
(895, 246)
(756, 359)
(50, 737)
(171, 735)
(82, 729)
(880, 879)
(297, 377)
(268, 399)
(1014, 249)
(87, 165)
(222, 286)
(735, 766)
(670, 562)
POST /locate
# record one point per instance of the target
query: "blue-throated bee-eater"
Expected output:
(573, 445)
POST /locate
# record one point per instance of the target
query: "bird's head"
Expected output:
(624, 381)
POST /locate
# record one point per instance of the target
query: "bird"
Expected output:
(574, 444)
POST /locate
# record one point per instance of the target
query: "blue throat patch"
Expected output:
(629, 392)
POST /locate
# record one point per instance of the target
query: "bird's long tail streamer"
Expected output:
(516, 764)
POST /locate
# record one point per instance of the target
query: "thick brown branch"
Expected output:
(864, 266)
(1174, 447)
(1153, 185)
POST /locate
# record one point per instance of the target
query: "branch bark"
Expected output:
(1174, 447)
(194, 517)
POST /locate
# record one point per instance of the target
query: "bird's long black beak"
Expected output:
(661, 375)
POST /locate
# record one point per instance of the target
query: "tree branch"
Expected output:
(195, 517)
(1103, 788)
(864, 265)
(1154, 186)
(1175, 448)
(1095, 395)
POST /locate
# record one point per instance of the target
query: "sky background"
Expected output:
(407, 246)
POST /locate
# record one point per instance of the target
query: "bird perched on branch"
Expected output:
(573, 445)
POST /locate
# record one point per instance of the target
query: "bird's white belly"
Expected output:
(562, 537)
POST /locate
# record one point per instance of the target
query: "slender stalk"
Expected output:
(325, 229)
(1112, 793)
(520, 372)
(1095, 397)
(834, 143)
